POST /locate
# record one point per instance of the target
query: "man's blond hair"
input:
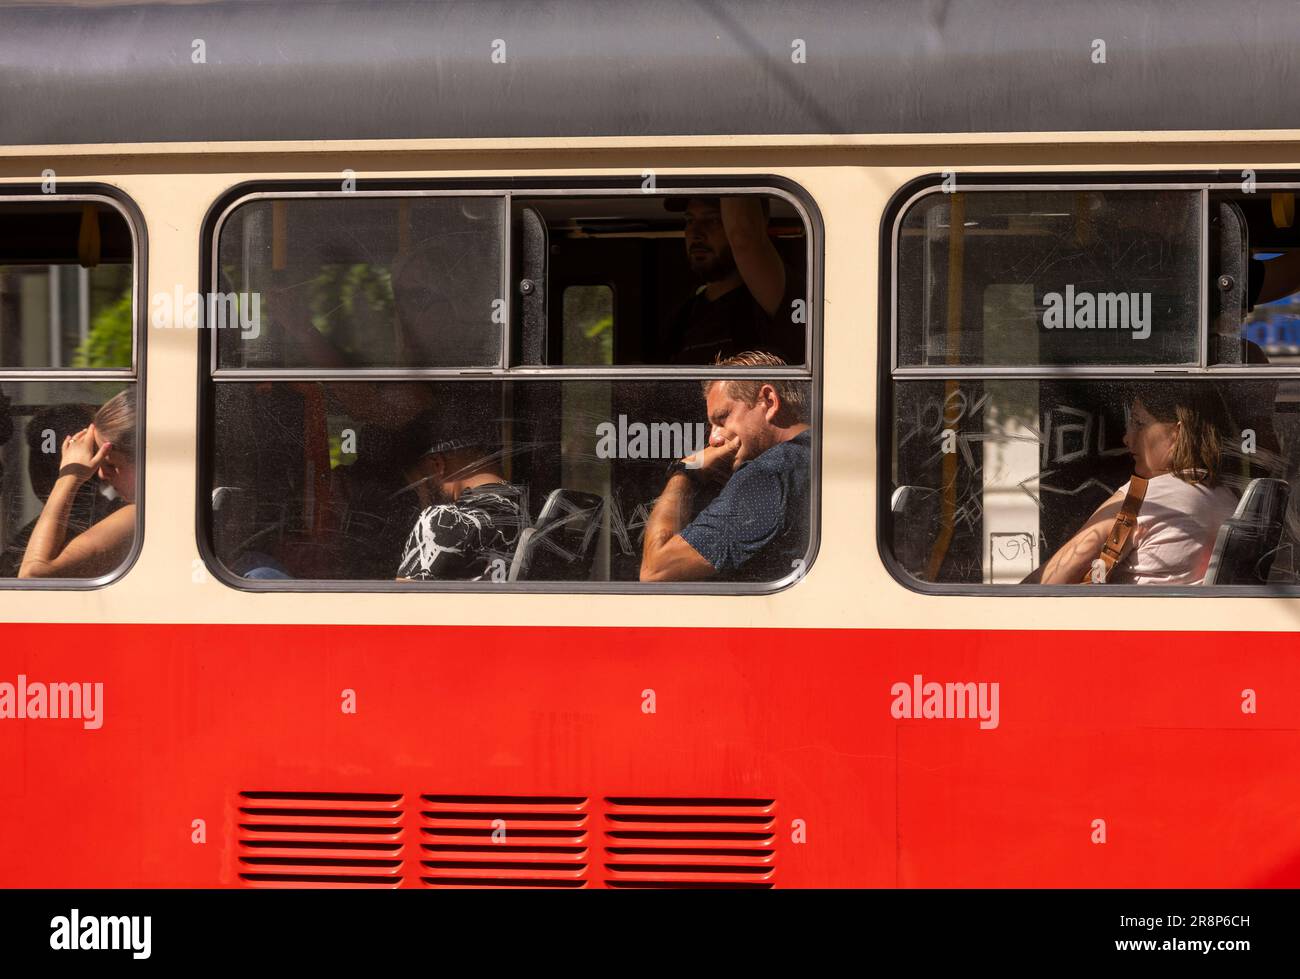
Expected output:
(793, 394)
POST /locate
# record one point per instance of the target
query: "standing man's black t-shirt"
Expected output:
(702, 330)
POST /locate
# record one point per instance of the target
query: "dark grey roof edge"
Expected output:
(363, 69)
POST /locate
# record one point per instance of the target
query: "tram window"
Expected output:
(1083, 278)
(1015, 469)
(363, 282)
(690, 278)
(993, 478)
(1255, 298)
(84, 535)
(65, 286)
(415, 436)
(492, 481)
(67, 316)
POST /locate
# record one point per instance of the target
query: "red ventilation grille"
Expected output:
(503, 841)
(320, 839)
(693, 843)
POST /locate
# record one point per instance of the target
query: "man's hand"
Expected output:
(718, 460)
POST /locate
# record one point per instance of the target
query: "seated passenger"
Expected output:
(43, 472)
(756, 529)
(1174, 433)
(746, 301)
(471, 517)
(107, 446)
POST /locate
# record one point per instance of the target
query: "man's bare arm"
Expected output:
(757, 259)
(665, 555)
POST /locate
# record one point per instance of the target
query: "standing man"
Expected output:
(756, 529)
(747, 298)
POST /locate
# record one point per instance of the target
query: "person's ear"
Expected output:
(771, 402)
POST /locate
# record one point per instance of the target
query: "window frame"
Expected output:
(133, 376)
(209, 374)
(888, 371)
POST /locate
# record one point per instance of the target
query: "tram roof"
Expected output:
(110, 72)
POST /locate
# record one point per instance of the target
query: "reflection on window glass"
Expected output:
(67, 491)
(1009, 481)
(501, 481)
(588, 325)
(65, 286)
(1011, 278)
(1256, 280)
(362, 282)
(1272, 332)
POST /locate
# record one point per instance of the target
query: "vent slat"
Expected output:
(703, 860)
(649, 823)
(503, 855)
(630, 885)
(514, 824)
(321, 800)
(302, 819)
(319, 881)
(330, 852)
(633, 843)
(469, 871)
(503, 885)
(685, 807)
(533, 840)
(385, 868)
(504, 806)
(325, 834)
(687, 876)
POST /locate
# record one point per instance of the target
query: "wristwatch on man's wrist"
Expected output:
(677, 466)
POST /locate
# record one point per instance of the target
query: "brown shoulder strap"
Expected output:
(1120, 530)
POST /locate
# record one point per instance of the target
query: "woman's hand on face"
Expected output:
(80, 458)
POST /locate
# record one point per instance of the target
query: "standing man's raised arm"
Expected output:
(756, 258)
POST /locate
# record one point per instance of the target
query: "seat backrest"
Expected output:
(915, 511)
(231, 521)
(1247, 542)
(560, 546)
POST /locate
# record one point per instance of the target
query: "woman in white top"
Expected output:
(105, 448)
(1174, 432)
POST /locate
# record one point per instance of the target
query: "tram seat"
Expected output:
(560, 546)
(915, 511)
(232, 521)
(1248, 541)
